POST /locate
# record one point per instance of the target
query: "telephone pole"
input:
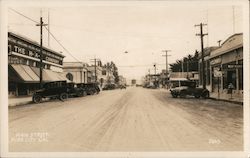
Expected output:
(155, 73)
(166, 51)
(95, 60)
(41, 49)
(201, 34)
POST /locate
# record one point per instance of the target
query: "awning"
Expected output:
(31, 74)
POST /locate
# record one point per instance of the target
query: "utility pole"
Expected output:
(48, 29)
(233, 20)
(41, 49)
(182, 68)
(95, 60)
(166, 51)
(155, 73)
(201, 34)
(149, 78)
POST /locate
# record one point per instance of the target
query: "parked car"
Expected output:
(122, 86)
(109, 87)
(89, 88)
(57, 89)
(189, 89)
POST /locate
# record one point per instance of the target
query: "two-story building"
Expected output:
(24, 65)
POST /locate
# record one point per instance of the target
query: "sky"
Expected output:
(107, 31)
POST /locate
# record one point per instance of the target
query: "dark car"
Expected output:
(189, 89)
(57, 89)
(109, 87)
(122, 86)
(89, 88)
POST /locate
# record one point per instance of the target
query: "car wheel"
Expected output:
(197, 96)
(63, 96)
(84, 93)
(91, 92)
(37, 98)
(183, 94)
(80, 94)
(174, 95)
(205, 94)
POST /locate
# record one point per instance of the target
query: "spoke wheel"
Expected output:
(37, 98)
(63, 96)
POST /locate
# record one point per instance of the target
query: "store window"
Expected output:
(208, 73)
(231, 78)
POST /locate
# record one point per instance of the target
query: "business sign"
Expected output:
(234, 66)
(217, 72)
(27, 49)
(215, 61)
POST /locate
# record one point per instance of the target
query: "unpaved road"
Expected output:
(135, 119)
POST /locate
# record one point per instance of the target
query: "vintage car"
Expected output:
(122, 86)
(189, 89)
(57, 89)
(89, 88)
(109, 87)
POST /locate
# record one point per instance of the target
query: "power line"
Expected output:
(24, 15)
(66, 50)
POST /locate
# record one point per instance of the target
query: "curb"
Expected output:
(229, 101)
(20, 103)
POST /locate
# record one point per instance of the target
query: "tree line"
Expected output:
(187, 63)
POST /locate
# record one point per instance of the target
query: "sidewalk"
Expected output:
(236, 98)
(20, 100)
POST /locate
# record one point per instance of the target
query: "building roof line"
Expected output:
(236, 34)
(26, 39)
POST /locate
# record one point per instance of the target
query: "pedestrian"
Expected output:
(230, 89)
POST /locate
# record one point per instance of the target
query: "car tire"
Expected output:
(197, 96)
(37, 98)
(182, 94)
(63, 96)
(174, 95)
(91, 93)
(80, 94)
(205, 94)
(84, 93)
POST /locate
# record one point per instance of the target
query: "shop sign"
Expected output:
(215, 61)
(234, 66)
(217, 72)
(32, 51)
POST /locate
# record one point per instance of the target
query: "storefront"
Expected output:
(226, 64)
(24, 65)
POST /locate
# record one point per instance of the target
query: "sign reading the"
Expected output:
(25, 48)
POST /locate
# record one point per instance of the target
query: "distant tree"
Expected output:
(111, 67)
(189, 61)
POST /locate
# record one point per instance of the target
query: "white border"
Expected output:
(4, 79)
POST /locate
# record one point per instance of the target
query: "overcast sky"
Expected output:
(107, 31)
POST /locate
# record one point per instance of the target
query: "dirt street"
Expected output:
(135, 119)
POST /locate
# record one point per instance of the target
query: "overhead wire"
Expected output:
(66, 50)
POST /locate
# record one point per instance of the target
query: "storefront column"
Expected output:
(211, 78)
(237, 72)
(221, 79)
(28, 89)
